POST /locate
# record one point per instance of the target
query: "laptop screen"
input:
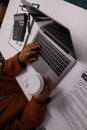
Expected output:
(60, 35)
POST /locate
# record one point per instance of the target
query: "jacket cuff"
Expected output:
(11, 66)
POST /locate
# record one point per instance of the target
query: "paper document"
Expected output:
(69, 108)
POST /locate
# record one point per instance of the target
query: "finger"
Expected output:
(30, 48)
(31, 44)
(34, 47)
(44, 95)
(49, 82)
(46, 92)
(33, 53)
(32, 59)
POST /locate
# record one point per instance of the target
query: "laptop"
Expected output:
(56, 55)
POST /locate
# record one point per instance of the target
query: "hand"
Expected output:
(48, 88)
(29, 53)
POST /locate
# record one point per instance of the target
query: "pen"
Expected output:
(28, 22)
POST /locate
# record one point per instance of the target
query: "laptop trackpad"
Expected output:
(44, 69)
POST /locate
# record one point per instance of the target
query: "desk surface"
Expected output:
(70, 16)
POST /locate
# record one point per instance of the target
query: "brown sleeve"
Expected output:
(26, 115)
(11, 66)
(33, 114)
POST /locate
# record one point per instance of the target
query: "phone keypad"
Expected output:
(18, 32)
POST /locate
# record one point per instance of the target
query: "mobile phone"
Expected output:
(19, 28)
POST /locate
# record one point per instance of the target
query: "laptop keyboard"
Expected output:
(53, 57)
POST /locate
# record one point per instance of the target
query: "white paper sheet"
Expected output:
(69, 108)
